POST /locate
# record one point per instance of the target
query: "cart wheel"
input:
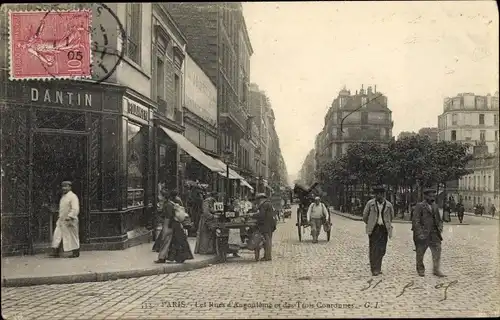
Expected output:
(328, 236)
(221, 249)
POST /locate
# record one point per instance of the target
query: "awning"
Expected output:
(246, 184)
(233, 175)
(193, 150)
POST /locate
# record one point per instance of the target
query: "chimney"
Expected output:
(375, 89)
(356, 92)
(369, 90)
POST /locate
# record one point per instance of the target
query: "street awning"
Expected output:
(233, 175)
(193, 151)
(246, 184)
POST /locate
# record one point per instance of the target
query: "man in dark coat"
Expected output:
(427, 226)
(266, 224)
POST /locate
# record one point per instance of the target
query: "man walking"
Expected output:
(427, 228)
(378, 215)
(266, 224)
(67, 223)
(460, 211)
(316, 214)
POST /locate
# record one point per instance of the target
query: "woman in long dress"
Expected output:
(173, 244)
(179, 249)
(165, 234)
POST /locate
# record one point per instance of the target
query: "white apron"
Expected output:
(67, 231)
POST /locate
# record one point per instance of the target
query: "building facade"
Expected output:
(470, 118)
(482, 185)
(363, 116)
(219, 43)
(200, 118)
(307, 171)
(106, 136)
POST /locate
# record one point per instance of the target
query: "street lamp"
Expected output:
(227, 158)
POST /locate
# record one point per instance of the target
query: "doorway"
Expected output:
(56, 157)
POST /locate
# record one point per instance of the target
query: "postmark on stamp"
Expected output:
(50, 44)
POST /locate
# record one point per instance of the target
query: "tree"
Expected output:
(406, 165)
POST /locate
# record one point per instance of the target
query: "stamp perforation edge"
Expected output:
(48, 78)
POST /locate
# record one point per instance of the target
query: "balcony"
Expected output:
(235, 114)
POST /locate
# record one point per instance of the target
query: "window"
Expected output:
(160, 78)
(468, 135)
(363, 101)
(453, 135)
(177, 93)
(133, 46)
(481, 119)
(482, 135)
(489, 187)
(496, 135)
(136, 141)
(495, 119)
(454, 119)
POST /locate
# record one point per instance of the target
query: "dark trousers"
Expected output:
(433, 241)
(268, 244)
(377, 246)
(460, 216)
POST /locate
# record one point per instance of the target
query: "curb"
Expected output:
(107, 276)
(393, 221)
(487, 217)
(348, 216)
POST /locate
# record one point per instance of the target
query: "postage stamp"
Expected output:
(50, 44)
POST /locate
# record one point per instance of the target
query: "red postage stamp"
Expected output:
(50, 44)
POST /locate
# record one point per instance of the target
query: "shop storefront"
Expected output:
(98, 136)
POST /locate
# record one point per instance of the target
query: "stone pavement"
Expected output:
(324, 280)
(92, 266)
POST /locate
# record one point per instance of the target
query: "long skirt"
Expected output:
(179, 249)
(162, 243)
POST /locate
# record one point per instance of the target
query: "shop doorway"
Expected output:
(56, 157)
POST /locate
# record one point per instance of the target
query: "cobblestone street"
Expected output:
(329, 279)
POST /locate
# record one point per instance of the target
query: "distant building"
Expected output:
(432, 133)
(482, 185)
(406, 134)
(470, 118)
(363, 116)
(307, 172)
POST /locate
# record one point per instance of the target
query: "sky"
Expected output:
(417, 53)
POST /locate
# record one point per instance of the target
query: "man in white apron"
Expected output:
(67, 223)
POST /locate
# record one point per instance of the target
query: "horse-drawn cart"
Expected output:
(306, 197)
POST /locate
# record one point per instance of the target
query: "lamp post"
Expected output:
(227, 157)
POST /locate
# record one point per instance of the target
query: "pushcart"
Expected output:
(306, 197)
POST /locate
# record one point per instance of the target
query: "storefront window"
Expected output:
(136, 140)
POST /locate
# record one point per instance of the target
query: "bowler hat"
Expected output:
(429, 190)
(66, 183)
(378, 189)
(260, 196)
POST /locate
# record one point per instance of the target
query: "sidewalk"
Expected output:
(93, 266)
(496, 217)
(358, 218)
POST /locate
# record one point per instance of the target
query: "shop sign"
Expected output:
(200, 92)
(135, 110)
(60, 97)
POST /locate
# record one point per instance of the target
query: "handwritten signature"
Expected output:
(411, 286)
